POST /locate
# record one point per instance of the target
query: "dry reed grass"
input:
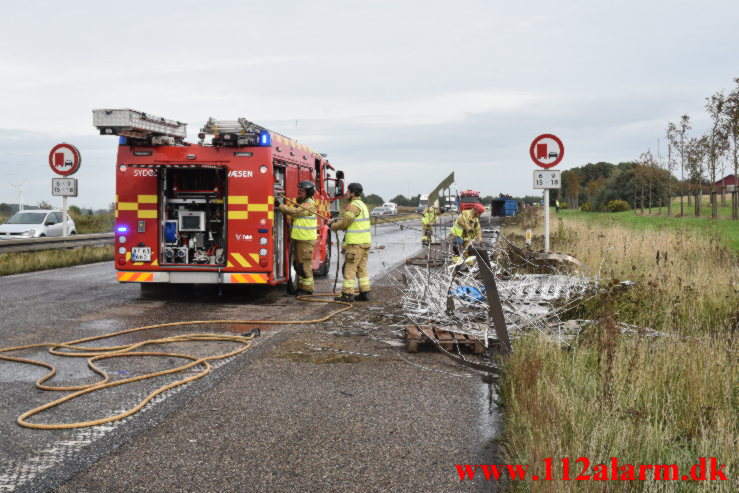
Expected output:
(665, 401)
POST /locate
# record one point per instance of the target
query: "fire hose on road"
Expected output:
(101, 353)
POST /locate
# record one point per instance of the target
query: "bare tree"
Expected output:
(697, 149)
(671, 140)
(731, 122)
(682, 131)
(717, 143)
(722, 174)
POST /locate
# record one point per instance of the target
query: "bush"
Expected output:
(586, 207)
(617, 206)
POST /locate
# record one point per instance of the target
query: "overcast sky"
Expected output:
(397, 93)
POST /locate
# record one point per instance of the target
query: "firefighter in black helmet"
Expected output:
(304, 233)
(355, 220)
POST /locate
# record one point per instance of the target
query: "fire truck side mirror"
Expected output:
(334, 188)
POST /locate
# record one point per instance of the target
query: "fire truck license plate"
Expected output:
(141, 254)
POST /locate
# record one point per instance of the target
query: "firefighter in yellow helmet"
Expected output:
(303, 233)
(465, 229)
(355, 220)
(428, 218)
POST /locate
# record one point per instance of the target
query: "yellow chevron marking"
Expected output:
(147, 199)
(255, 257)
(155, 263)
(127, 206)
(125, 276)
(128, 256)
(229, 264)
(241, 260)
(258, 207)
(237, 278)
(238, 214)
(238, 199)
(147, 214)
(145, 277)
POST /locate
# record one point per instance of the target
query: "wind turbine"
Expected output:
(20, 193)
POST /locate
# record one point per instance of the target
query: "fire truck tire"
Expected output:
(325, 267)
(292, 274)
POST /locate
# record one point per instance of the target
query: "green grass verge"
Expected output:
(16, 263)
(724, 229)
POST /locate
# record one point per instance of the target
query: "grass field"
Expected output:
(16, 263)
(669, 400)
(723, 212)
(726, 230)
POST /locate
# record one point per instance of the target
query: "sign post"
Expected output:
(64, 160)
(547, 151)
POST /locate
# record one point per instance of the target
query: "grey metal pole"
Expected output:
(546, 220)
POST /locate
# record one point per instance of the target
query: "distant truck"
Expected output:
(390, 207)
(503, 207)
(468, 199)
(423, 202)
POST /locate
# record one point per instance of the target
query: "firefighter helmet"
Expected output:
(308, 186)
(355, 188)
(479, 208)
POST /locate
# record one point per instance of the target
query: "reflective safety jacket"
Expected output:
(356, 221)
(305, 223)
(429, 216)
(467, 226)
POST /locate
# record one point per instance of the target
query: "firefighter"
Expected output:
(428, 219)
(303, 233)
(465, 229)
(355, 220)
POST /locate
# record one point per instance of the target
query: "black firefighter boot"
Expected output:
(347, 298)
(364, 296)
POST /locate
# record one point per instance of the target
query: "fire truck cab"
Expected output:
(204, 213)
(468, 198)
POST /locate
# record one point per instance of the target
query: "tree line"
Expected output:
(651, 181)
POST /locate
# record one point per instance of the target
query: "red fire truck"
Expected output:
(468, 198)
(204, 213)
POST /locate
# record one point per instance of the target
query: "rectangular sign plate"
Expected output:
(64, 187)
(141, 254)
(547, 179)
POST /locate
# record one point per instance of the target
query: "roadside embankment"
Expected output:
(669, 399)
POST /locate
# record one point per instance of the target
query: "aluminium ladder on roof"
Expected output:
(136, 124)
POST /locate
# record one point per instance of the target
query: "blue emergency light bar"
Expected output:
(265, 138)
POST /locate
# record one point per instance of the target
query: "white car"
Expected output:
(379, 211)
(35, 224)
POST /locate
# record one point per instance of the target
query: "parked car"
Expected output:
(378, 211)
(35, 224)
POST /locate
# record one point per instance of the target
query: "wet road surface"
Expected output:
(276, 417)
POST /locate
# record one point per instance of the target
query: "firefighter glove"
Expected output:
(277, 203)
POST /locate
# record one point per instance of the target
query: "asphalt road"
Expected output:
(281, 416)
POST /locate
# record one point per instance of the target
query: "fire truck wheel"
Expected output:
(325, 267)
(292, 274)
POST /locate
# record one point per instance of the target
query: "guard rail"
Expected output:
(55, 242)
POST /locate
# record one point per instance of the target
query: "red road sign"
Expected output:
(64, 159)
(547, 150)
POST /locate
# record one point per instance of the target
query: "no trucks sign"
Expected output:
(547, 150)
(64, 159)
